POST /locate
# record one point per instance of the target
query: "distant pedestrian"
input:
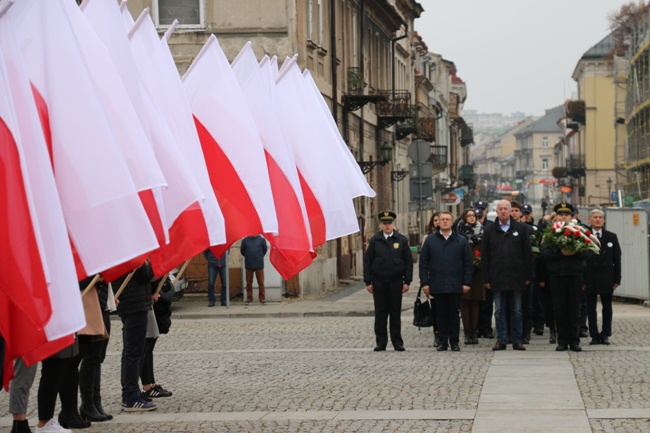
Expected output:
(253, 249)
(388, 272)
(446, 272)
(216, 267)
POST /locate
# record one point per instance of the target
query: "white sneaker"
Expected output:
(52, 426)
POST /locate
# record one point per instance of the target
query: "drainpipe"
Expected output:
(333, 60)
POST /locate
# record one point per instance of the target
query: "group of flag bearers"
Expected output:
(113, 159)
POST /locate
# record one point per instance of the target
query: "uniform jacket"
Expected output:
(604, 269)
(388, 259)
(559, 265)
(136, 296)
(446, 264)
(507, 258)
(253, 250)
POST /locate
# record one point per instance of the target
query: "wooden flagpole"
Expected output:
(178, 276)
(91, 285)
(123, 286)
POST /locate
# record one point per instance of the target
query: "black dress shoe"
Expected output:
(72, 420)
(211, 304)
(561, 348)
(399, 349)
(539, 331)
(583, 334)
(594, 341)
(488, 334)
(379, 349)
(552, 339)
(436, 342)
(518, 346)
(455, 347)
(604, 340)
(575, 347)
(499, 346)
(442, 348)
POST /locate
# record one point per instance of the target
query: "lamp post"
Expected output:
(386, 151)
(609, 189)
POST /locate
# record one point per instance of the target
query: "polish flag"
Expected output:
(105, 218)
(57, 299)
(232, 146)
(200, 222)
(290, 248)
(327, 186)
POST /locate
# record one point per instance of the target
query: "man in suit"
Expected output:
(388, 272)
(602, 277)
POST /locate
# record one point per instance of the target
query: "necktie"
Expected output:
(598, 235)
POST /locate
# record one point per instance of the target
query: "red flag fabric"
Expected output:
(291, 247)
(232, 146)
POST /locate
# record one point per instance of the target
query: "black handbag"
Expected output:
(422, 317)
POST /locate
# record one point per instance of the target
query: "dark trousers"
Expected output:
(134, 333)
(583, 314)
(48, 386)
(387, 297)
(549, 312)
(567, 295)
(447, 310)
(485, 314)
(69, 388)
(146, 372)
(527, 311)
(592, 314)
(537, 307)
(93, 353)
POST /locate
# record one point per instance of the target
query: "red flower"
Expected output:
(587, 232)
(588, 241)
(567, 233)
(477, 254)
(577, 234)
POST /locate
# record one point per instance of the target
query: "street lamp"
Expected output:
(609, 188)
(386, 154)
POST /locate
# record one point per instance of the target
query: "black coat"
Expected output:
(388, 259)
(506, 257)
(136, 296)
(446, 264)
(604, 269)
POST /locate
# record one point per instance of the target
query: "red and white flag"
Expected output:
(190, 230)
(56, 297)
(291, 247)
(328, 193)
(106, 221)
(231, 145)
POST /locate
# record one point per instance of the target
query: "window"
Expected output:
(544, 163)
(544, 141)
(189, 13)
(315, 21)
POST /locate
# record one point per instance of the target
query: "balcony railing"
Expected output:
(438, 158)
(356, 96)
(575, 165)
(395, 107)
(421, 123)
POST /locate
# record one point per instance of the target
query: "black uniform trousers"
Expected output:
(387, 295)
(447, 310)
(567, 296)
(485, 314)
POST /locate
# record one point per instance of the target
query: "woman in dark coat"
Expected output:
(472, 230)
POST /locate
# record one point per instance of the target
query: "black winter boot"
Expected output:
(100, 409)
(21, 427)
(474, 335)
(553, 337)
(89, 411)
(70, 418)
(468, 338)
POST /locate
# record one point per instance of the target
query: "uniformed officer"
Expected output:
(565, 276)
(388, 272)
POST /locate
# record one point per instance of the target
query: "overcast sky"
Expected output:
(515, 55)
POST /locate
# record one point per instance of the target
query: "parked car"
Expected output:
(179, 284)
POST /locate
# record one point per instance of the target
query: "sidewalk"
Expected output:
(348, 300)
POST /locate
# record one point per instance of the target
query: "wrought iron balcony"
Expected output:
(394, 108)
(421, 123)
(466, 135)
(408, 125)
(576, 111)
(438, 158)
(575, 165)
(356, 97)
(427, 128)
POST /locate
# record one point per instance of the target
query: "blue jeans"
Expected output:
(212, 279)
(509, 301)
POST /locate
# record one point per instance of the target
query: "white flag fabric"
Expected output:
(290, 248)
(164, 84)
(105, 218)
(219, 106)
(317, 155)
(18, 104)
(358, 184)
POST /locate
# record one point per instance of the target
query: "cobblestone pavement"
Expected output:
(319, 374)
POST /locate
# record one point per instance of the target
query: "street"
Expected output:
(261, 372)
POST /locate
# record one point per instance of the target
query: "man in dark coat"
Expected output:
(565, 271)
(388, 272)
(446, 271)
(507, 264)
(253, 249)
(602, 277)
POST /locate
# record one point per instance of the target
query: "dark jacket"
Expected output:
(213, 260)
(253, 250)
(136, 296)
(446, 264)
(388, 259)
(604, 269)
(559, 265)
(507, 258)
(162, 308)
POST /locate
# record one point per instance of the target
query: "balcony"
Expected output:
(408, 125)
(575, 165)
(394, 107)
(575, 110)
(421, 123)
(466, 135)
(438, 158)
(426, 128)
(356, 97)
